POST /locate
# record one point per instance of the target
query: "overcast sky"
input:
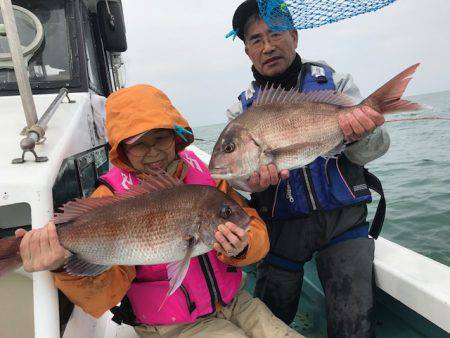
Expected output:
(180, 47)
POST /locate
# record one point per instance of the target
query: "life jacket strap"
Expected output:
(359, 231)
(124, 313)
(284, 263)
(374, 183)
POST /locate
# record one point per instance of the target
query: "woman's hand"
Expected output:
(40, 249)
(231, 240)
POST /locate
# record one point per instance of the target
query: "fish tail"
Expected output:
(9, 255)
(387, 99)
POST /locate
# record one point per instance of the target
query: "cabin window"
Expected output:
(53, 62)
(91, 54)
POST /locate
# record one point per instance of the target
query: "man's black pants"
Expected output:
(345, 271)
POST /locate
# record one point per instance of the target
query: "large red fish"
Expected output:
(159, 221)
(291, 129)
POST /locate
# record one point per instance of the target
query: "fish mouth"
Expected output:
(224, 173)
(220, 172)
(219, 176)
(224, 176)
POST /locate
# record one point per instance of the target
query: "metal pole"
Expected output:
(20, 68)
(43, 121)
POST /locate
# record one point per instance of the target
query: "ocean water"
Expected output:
(415, 173)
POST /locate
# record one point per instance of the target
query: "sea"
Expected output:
(415, 173)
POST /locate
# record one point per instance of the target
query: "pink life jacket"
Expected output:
(207, 282)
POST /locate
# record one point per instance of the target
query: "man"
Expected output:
(304, 211)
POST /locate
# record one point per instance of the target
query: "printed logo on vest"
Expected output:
(126, 181)
(192, 162)
(359, 187)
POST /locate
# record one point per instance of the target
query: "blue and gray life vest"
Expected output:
(325, 184)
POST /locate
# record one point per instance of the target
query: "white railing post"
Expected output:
(45, 295)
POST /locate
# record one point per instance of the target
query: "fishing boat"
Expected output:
(59, 59)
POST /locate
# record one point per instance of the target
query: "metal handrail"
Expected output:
(20, 69)
(43, 121)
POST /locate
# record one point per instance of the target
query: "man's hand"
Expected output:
(267, 175)
(231, 240)
(359, 123)
(40, 249)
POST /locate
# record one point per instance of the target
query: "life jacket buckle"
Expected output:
(319, 74)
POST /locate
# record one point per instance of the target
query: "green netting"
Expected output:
(301, 14)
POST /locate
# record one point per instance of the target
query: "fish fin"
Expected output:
(73, 209)
(9, 255)
(156, 181)
(290, 150)
(285, 157)
(278, 95)
(79, 267)
(293, 147)
(160, 180)
(387, 98)
(176, 271)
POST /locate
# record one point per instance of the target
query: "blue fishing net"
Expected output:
(301, 14)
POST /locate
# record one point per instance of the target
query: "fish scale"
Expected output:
(280, 129)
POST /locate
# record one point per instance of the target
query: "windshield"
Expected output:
(51, 59)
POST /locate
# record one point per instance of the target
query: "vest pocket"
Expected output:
(287, 200)
(147, 297)
(346, 184)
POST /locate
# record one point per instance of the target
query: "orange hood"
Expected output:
(137, 109)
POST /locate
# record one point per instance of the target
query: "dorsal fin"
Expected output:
(155, 181)
(278, 95)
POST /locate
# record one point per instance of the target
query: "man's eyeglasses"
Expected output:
(259, 41)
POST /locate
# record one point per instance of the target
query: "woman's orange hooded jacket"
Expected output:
(130, 112)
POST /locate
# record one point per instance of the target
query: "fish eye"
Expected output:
(225, 212)
(229, 148)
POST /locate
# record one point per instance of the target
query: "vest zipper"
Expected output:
(308, 187)
(210, 281)
(275, 199)
(214, 280)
